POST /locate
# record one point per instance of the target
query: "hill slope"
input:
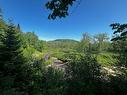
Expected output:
(63, 43)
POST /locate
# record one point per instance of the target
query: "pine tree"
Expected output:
(18, 27)
(12, 62)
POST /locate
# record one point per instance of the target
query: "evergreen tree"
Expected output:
(12, 62)
(18, 27)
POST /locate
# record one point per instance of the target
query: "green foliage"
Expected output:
(101, 40)
(24, 72)
(28, 52)
(72, 56)
(30, 39)
(59, 8)
(63, 44)
(49, 61)
(47, 81)
(83, 77)
(101, 37)
(60, 48)
(84, 44)
(59, 55)
(13, 66)
(52, 82)
(107, 59)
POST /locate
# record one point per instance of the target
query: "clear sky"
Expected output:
(92, 16)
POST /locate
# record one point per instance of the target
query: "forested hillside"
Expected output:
(63, 43)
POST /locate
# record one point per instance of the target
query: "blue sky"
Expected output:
(92, 16)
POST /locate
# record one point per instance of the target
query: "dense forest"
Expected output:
(95, 65)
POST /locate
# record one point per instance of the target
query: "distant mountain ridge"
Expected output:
(63, 43)
(70, 40)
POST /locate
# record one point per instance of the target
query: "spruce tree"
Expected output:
(12, 62)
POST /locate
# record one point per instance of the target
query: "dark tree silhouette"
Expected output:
(59, 8)
(120, 42)
(120, 30)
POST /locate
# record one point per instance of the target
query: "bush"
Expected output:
(83, 77)
(107, 59)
